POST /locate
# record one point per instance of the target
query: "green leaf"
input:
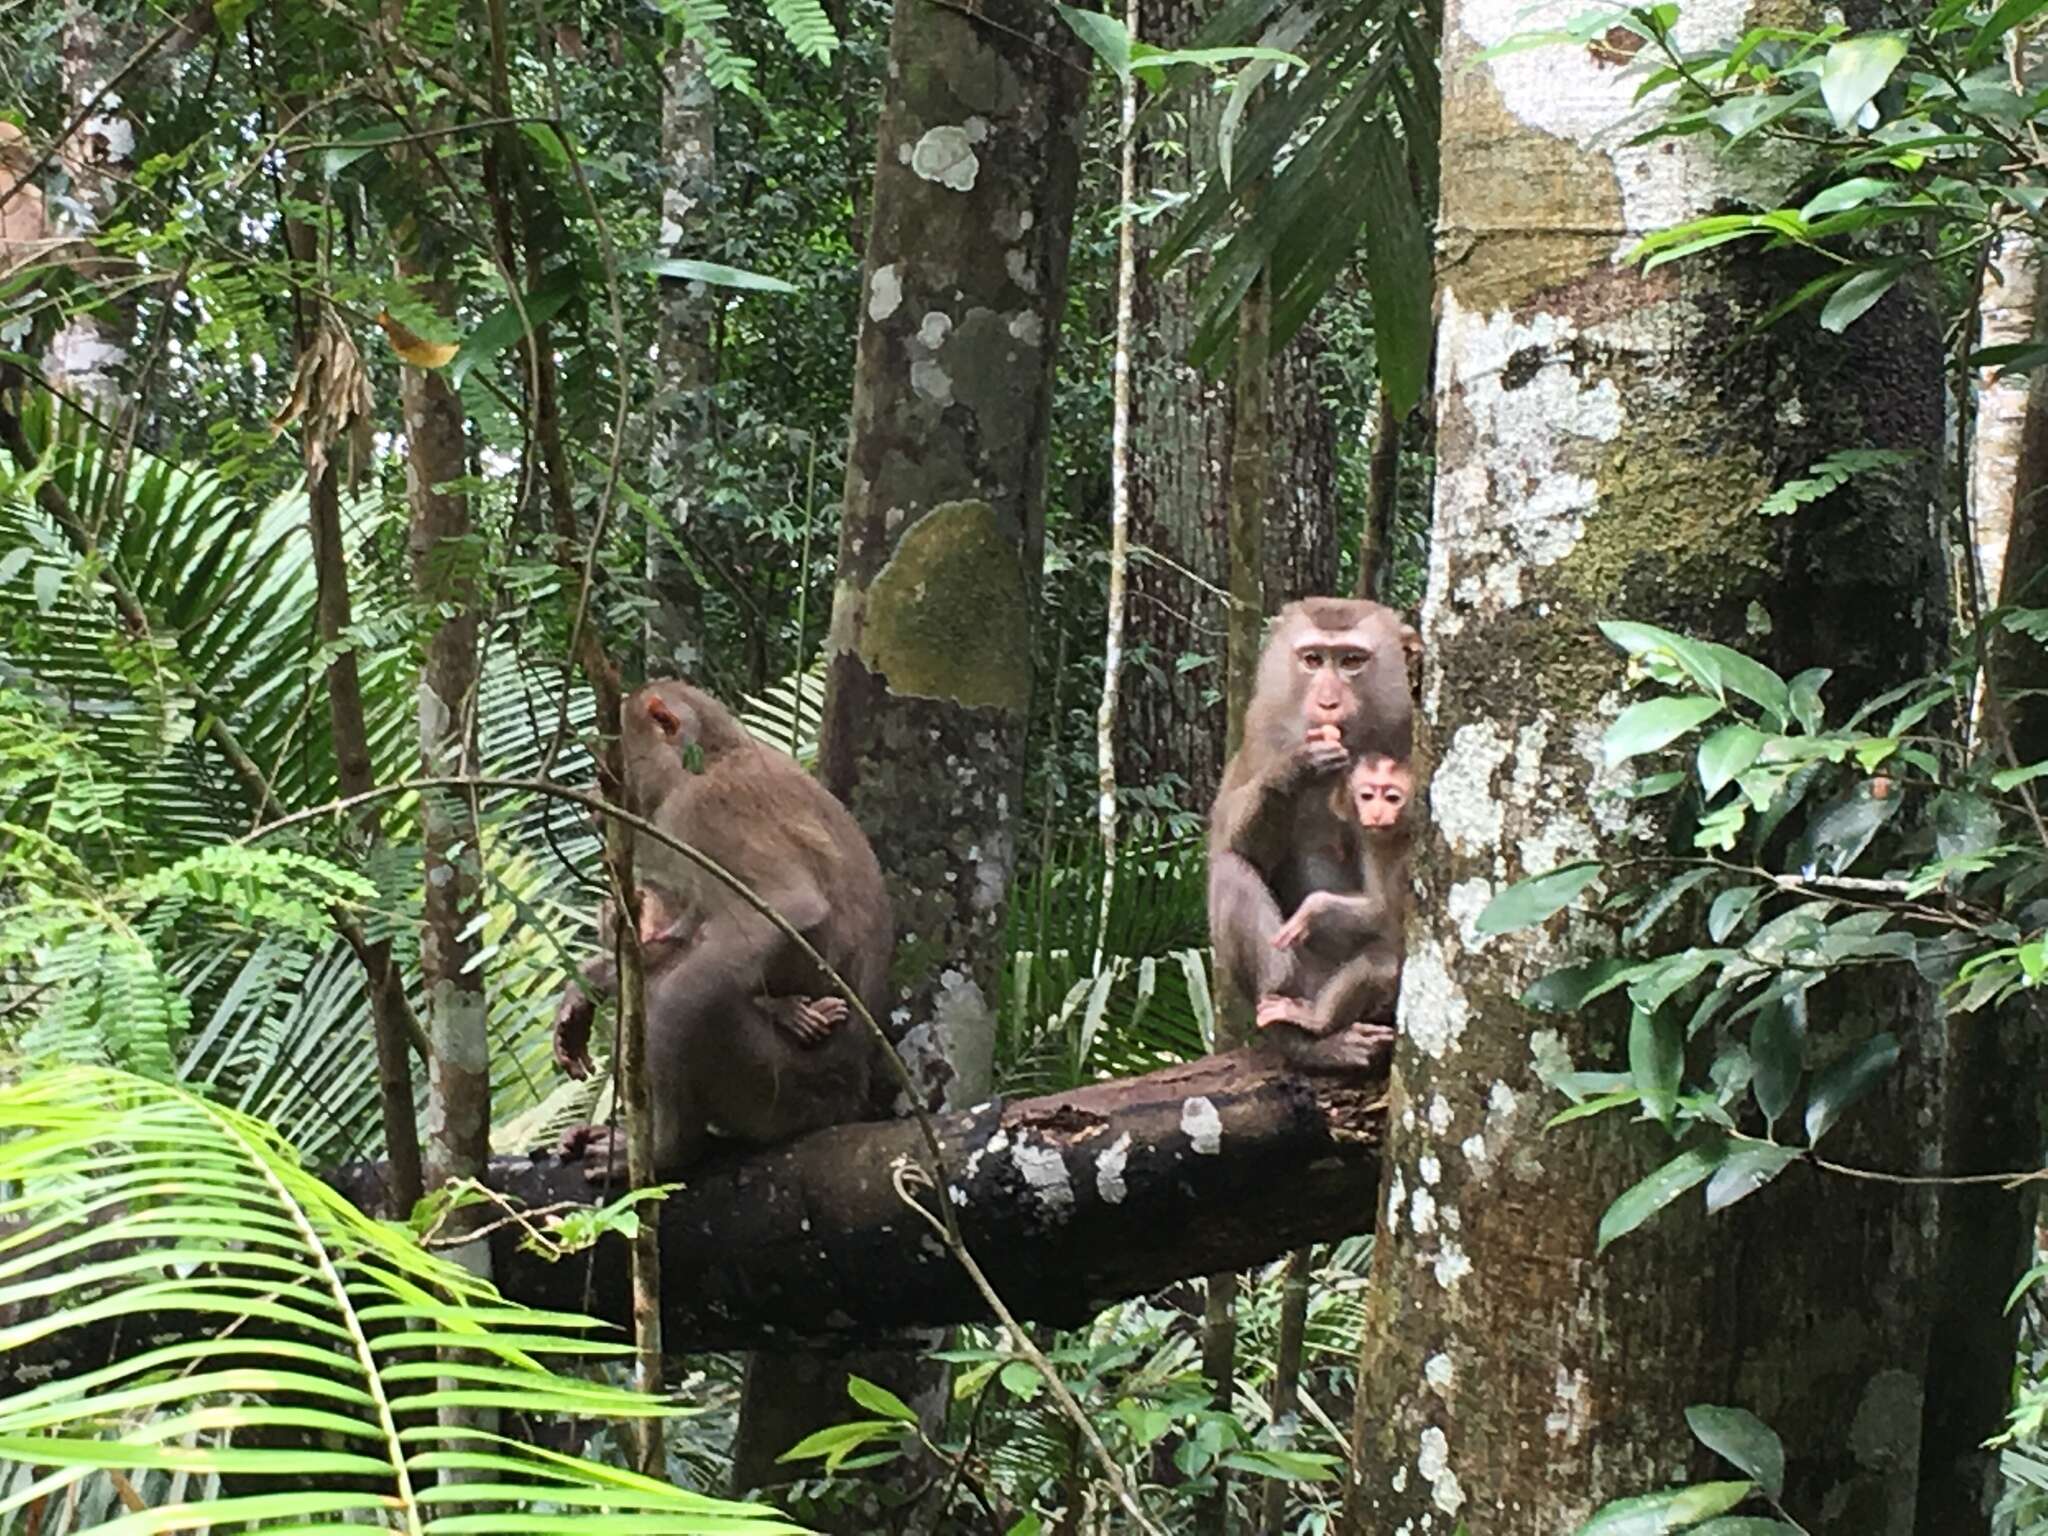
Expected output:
(1804, 691)
(1852, 193)
(1021, 1380)
(1743, 1440)
(1619, 1099)
(717, 275)
(1727, 752)
(1777, 1045)
(502, 328)
(1729, 909)
(1530, 901)
(1848, 303)
(1747, 1168)
(1653, 1514)
(1644, 1199)
(1399, 268)
(1846, 1080)
(1106, 37)
(337, 158)
(1696, 659)
(1571, 987)
(1856, 69)
(1655, 723)
(1964, 823)
(1745, 1525)
(879, 1399)
(1754, 681)
(1656, 1061)
(1673, 892)
(2003, 780)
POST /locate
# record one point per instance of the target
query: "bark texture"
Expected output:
(1602, 451)
(1181, 436)
(943, 530)
(88, 357)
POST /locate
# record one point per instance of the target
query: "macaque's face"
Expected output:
(1380, 791)
(1328, 669)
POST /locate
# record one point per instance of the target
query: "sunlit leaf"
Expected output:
(1531, 901)
(1856, 69)
(1644, 1199)
(1674, 1509)
(1656, 1060)
(1748, 1167)
(1846, 1080)
(1726, 753)
(1655, 723)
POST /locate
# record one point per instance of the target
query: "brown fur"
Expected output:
(743, 1034)
(1332, 687)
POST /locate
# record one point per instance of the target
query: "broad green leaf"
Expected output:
(1748, 1167)
(1743, 1440)
(1658, 905)
(1655, 981)
(1729, 909)
(1777, 1045)
(1644, 1199)
(1726, 753)
(1619, 1099)
(1530, 901)
(1852, 193)
(2012, 13)
(718, 275)
(1964, 823)
(1841, 830)
(1656, 1061)
(1855, 70)
(1021, 1380)
(1754, 681)
(2003, 780)
(1695, 658)
(1655, 723)
(1745, 1525)
(1106, 37)
(1846, 1080)
(502, 328)
(1805, 697)
(337, 158)
(1570, 988)
(1674, 1509)
(1030, 1525)
(879, 1399)
(1848, 303)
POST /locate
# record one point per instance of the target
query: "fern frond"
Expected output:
(807, 27)
(129, 1202)
(1828, 475)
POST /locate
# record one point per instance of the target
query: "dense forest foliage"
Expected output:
(955, 393)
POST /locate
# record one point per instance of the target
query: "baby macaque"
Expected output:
(1349, 946)
(1332, 687)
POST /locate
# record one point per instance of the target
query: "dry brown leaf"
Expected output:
(330, 394)
(416, 350)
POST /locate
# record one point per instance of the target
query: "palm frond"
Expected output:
(124, 1202)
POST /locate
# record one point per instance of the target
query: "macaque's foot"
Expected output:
(603, 1151)
(573, 1016)
(1355, 1048)
(1285, 1010)
(808, 1020)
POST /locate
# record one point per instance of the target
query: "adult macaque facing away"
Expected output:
(1348, 948)
(1332, 687)
(743, 1032)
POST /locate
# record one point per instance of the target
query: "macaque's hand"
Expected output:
(573, 1016)
(1297, 927)
(603, 1153)
(808, 1020)
(1285, 1010)
(1323, 749)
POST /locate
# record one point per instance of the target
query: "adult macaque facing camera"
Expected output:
(1332, 688)
(745, 1034)
(1348, 948)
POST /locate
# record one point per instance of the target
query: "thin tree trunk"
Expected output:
(87, 359)
(1286, 1398)
(1119, 488)
(1375, 545)
(1508, 1378)
(689, 145)
(942, 536)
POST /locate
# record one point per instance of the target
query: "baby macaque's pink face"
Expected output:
(1380, 790)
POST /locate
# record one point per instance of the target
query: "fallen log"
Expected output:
(1067, 1202)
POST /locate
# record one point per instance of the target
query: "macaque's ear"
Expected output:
(670, 722)
(1411, 642)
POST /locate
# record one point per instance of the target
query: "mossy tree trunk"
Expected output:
(933, 623)
(1605, 437)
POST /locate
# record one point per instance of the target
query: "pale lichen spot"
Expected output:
(885, 293)
(1474, 1148)
(1569, 1420)
(1433, 1011)
(1466, 900)
(1397, 1196)
(1202, 1125)
(1461, 797)
(931, 381)
(1026, 327)
(1437, 1374)
(1018, 265)
(933, 329)
(1399, 1481)
(1433, 1461)
(1451, 1265)
(1109, 1170)
(945, 155)
(1440, 1114)
(1431, 1170)
(1422, 1212)
(1045, 1175)
(977, 128)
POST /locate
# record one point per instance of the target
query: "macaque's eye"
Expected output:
(1392, 797)
(1312, 659)
(1353, 663)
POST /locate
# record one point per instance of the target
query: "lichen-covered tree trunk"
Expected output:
(689, 147)
(1602, 450)
(941, 540)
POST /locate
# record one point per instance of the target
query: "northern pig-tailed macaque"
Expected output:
(1348, 948)
(744, 1032)
(1332, 687)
